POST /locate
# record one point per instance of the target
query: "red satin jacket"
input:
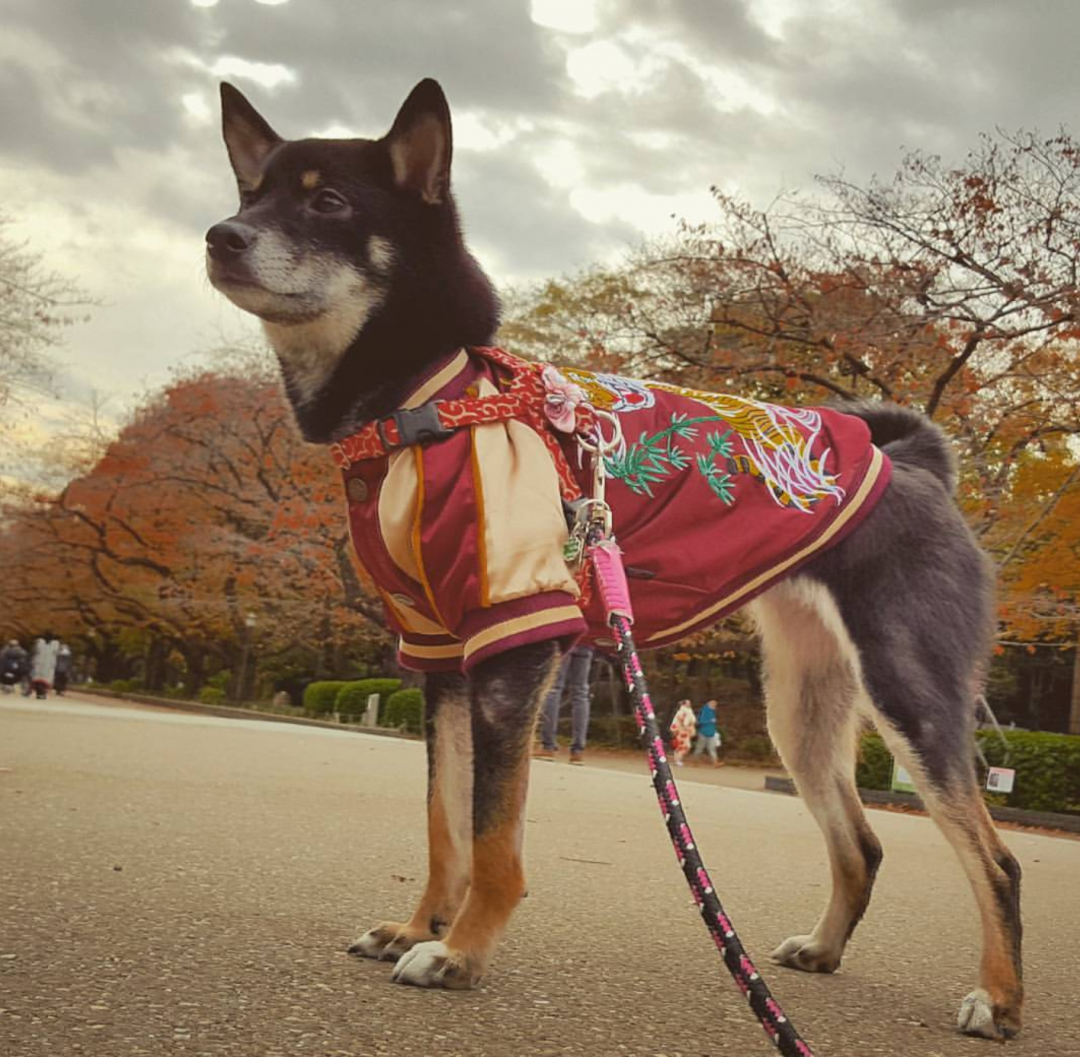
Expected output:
(714, 498)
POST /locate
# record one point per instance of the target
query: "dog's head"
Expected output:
(350, 253)
(316, 221)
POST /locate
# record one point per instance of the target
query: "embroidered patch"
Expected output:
(772, 444)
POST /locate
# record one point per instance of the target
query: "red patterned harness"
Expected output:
(523, 399)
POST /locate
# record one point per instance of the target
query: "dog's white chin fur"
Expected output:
(312, 308)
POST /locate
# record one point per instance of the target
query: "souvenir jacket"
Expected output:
(714, 498)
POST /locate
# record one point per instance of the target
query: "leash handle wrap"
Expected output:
(611, 579)
(605, 558)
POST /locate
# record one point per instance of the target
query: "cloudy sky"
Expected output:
(580, 125)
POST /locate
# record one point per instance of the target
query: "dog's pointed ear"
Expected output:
(420, 143)
(248, 138)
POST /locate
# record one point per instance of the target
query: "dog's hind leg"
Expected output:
(811, 691)
(506, 695)
(916, 595)
(448, 732)
(943, 772)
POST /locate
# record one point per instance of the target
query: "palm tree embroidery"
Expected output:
(656, 458)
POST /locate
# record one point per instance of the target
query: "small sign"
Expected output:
(1000, 779)
(901, 780)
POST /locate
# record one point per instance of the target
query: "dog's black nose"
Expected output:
(229, 240)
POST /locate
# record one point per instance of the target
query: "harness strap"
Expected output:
(523, 400)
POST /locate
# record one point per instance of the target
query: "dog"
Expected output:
(351, 254)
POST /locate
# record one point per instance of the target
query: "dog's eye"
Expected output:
(327, 201)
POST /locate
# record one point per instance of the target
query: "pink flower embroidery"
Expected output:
(560, 400)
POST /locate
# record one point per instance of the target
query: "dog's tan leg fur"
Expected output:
(995, 1008)
(497, 888)
(449, 832)
(812, 687)
(506, 699)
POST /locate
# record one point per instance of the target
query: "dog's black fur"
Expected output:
(351, 253)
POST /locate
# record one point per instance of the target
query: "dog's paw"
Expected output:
(389, 941)
(803, 952)
(979, 1015)
(435, 965)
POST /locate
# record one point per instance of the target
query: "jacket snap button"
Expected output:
(356, 490)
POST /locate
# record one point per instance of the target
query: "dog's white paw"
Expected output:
(388, 941)
(433, 965)
(373, 944)
(807, 954)
(976, 1016)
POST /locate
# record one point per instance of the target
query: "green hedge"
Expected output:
(352, 697)
(405, 709)
(211, 695)
(874, 769)
(606, 730)
(320, 697)
(751, 747)
(1047, 768)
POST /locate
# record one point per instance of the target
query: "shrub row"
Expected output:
(352, 698)
(405, 708)
(398, 708)
(1047, 768)
(320, 697)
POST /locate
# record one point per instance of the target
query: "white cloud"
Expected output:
(197, 108)
(652, 214)
(567, 16)
(268, 74)
(600, 67)
(473, 132)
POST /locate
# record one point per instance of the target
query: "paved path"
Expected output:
(176, 884)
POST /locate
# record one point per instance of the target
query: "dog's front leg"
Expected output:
(448, 732)
(506, 694)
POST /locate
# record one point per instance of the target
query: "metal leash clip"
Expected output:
(599, 446)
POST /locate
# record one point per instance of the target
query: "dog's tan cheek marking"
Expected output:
(380, 253)
(311, 179)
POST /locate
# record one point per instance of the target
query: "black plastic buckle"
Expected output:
(416, 425)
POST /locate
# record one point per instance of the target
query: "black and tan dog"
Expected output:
(351, 254)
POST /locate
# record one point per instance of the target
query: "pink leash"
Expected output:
(606, 559)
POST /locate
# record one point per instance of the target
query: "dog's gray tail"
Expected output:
(907, 436)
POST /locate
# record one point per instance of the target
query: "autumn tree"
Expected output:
(951, 288)
(207, 508)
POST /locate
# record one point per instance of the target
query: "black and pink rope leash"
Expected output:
(606, 560)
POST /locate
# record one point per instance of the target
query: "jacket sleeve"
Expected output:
(488, 541)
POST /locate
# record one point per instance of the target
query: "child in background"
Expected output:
(683, 726)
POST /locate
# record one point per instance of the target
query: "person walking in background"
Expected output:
(683, 726)
(63, 668)
(43, 664)
(14, 666)
(574, 677)
(708, 733)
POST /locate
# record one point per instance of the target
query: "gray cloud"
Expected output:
(111, 175)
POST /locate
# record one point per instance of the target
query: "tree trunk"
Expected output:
(154, 664)
(1074, 708)
(195, 676)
